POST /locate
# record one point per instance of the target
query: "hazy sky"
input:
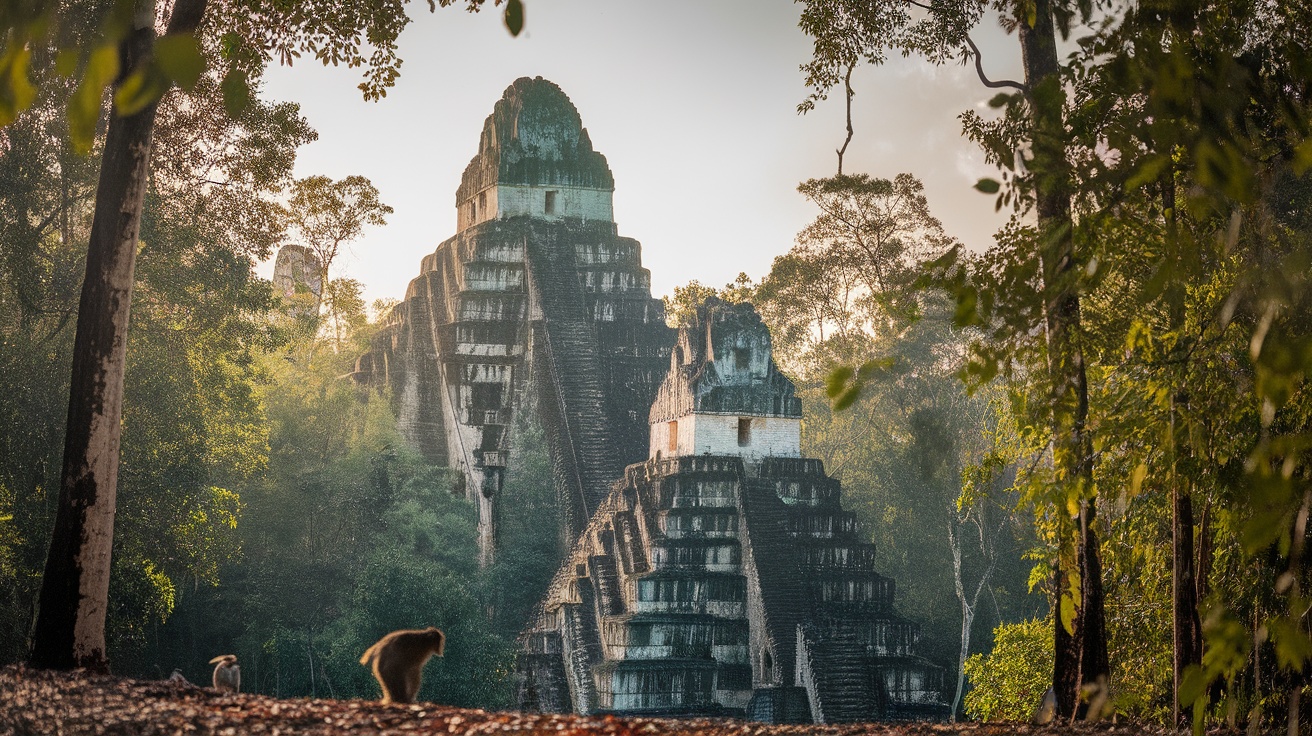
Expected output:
(693, 103)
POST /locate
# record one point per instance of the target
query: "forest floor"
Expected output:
(70, 704)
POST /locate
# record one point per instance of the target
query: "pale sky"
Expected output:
(693, 103)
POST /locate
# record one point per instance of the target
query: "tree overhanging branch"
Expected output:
(979, 69)
(979, 58)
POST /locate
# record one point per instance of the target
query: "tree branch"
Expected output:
(847, 84)
(974, 51)
(979, 69)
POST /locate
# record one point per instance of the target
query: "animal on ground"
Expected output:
(1046, 710)
(177, 678)
(1096, 700)
(398, 661)
(227, 675)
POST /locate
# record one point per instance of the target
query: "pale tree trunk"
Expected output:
(968, 607)
(70, 624)
(1082, 657)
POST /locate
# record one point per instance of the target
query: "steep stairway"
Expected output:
(571, 367)
(841, 685)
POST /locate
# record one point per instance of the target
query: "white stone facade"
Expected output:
(544, 202)
(721, 434)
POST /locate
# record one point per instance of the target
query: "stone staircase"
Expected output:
(610, 597)
(581, 649)
(840, 683)
(590, 460)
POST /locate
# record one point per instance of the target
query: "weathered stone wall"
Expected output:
(520, 300)
(297, 279)
(707, 600)
(724, 366)
(719, 434)
(725, 583)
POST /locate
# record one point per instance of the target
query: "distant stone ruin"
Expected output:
(296, 278)
(535, 302)
(711, 568)
(723, 576)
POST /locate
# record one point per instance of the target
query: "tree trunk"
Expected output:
(70, 624)
(1187, 629)
(1203, 565)
(967, 612)
(1065, 652)
(1072, 448)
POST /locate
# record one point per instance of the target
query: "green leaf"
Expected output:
(16, 90)
(1262, 530)
(988, 186)
(514, 16)
(1148, 172)
(1193, 685)
(1303, 157)
(236, 92)
(1001, 99)
(84, 104)
(142, 87)
(1136, 478)
(846, 398)
(843, 386)
(178, 56)
(1293, 647)
(1068, 614)
(836, 381)
(66, 63)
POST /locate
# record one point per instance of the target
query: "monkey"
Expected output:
(1046, 710)
(398, 661)
(1096, 699)
(227, 675)
(177, 678)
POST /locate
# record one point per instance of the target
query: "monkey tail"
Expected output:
(369, 655)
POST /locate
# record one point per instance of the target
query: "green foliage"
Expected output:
(906, 482)
(244, 37)
(325, 216)
(1008, 684)
(848, 280)
(682, 306)
(1175, 136)
(348, 535)
(529, 552)
(514, 16)
(202, 435)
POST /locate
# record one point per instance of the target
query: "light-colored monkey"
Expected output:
(227, 675)
(398, 661)
(1046, 710)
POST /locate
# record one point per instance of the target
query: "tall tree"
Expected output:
(941, 32)
(70, 626)
(327, 215)
(70, 623)
(847, 294)
(188, 427)
(1183, 120)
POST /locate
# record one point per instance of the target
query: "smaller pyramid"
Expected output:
(722, 576)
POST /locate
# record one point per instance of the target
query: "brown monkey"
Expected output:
(398, 661)
(227, 675)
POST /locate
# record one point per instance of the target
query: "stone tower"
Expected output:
(297, 279)
(535, 304)
(722, 576)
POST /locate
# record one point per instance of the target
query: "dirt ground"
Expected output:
(75, 703)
